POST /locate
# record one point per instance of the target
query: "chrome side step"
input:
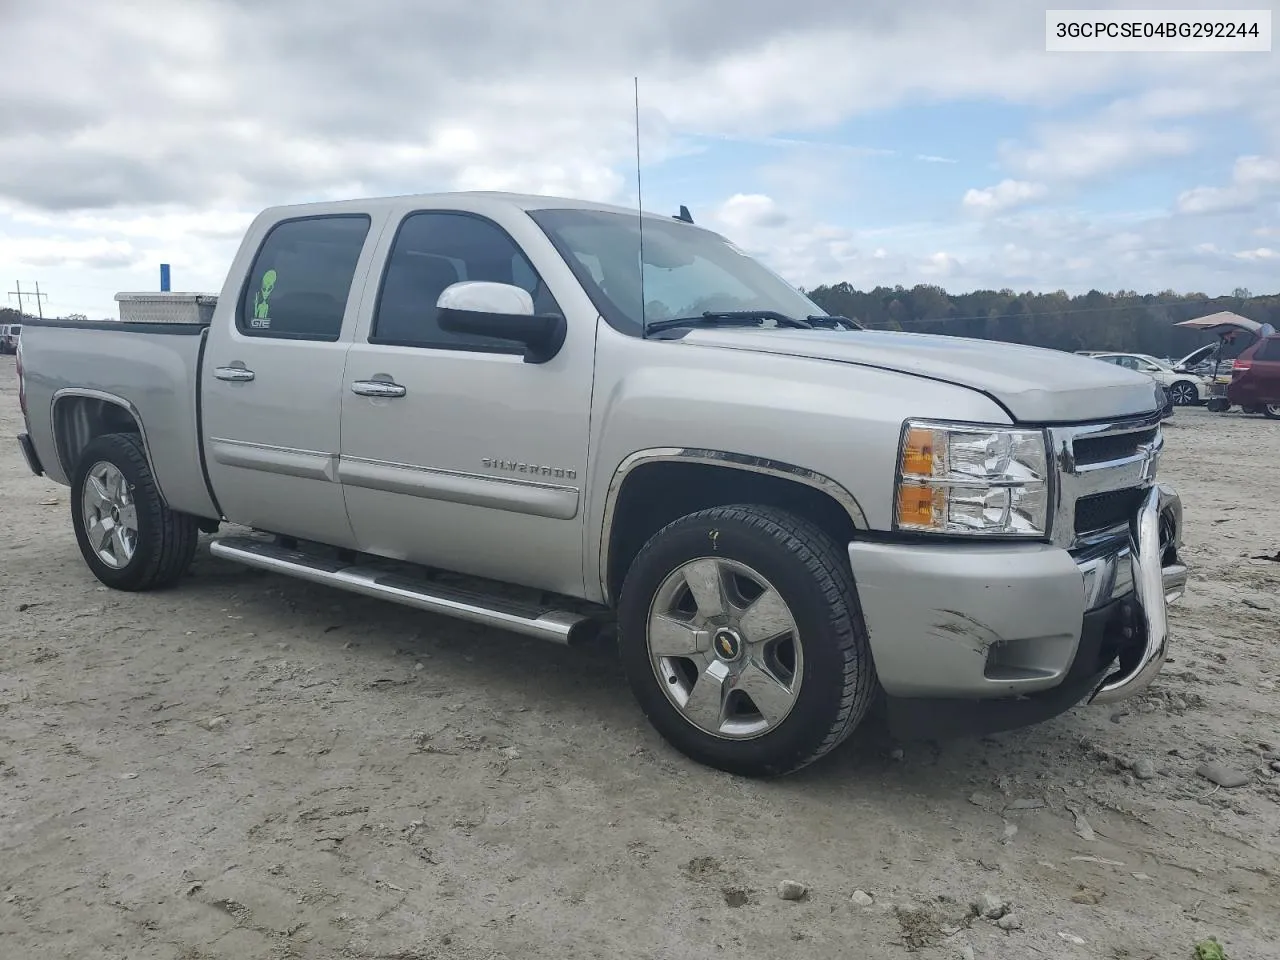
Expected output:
(558, 626)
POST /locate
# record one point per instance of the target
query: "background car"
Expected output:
(9, 334)
(1183, 386)
(1255, 378)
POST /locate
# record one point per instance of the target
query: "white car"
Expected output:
(9, 335)
(1184, 387)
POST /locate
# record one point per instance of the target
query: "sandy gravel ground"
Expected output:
(249, 766)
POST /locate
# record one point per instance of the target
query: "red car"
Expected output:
(1255, 378)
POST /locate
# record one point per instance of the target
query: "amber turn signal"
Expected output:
(918, 452)
(920, 506)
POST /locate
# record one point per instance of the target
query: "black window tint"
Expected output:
(1269, 350)
(432, 251)
(301, 278)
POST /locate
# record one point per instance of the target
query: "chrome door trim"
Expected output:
(531, 497)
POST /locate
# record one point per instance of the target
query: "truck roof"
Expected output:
(475, 200)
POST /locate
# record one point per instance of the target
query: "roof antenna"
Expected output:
(683, 215)
(644, 327)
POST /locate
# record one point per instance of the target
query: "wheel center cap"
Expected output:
(728, 644)
(115, 514)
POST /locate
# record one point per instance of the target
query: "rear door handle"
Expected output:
(234, 374)
(377, 388)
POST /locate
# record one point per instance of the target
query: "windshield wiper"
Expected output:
(729, 318)
(831, 322)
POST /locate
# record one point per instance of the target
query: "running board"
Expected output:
(558, 626)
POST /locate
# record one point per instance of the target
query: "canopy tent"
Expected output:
(1224, 321)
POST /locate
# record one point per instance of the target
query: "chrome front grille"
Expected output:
(1106, 447)
(1105, 511)
(1101, 473)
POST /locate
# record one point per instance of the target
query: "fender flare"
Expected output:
(715, 458)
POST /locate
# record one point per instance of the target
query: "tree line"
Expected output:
(1121, 321)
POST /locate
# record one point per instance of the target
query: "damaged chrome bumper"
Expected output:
(1159, 579)
(990, 621)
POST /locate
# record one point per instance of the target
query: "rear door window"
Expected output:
(301, 278)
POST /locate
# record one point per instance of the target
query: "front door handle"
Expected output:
(234, 374)
(377, 388)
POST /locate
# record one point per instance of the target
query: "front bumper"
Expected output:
(1010, 623)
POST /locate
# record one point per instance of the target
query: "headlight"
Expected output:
(970, 479)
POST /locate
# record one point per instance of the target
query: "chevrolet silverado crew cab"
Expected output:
(558, 417)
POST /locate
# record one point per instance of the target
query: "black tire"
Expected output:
(811, 573)
(1271, 411)
(1183, 393)
(166, 541)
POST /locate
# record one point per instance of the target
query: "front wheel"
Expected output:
(1271, 410)
(127, 536)
(743, 640)
(1183, 393)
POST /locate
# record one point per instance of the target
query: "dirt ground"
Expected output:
(250, 766)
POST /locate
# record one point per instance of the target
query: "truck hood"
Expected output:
(1034, 384)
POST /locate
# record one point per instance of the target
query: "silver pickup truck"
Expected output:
(555, 417)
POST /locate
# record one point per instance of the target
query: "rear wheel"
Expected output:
(743, 640)
(1183, 393)
(127, 536)
(1272, 410)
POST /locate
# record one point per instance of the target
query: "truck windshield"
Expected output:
(687, 270)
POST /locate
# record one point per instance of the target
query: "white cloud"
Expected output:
(745, 211)
(1081, 151)
(1005, 195)
(235, 103)
(940, 265)
(1253, 179)
(1154, 121)
(95, 253)
(136, 138)
(158, 225)
(1044, 250)
(1261, 253)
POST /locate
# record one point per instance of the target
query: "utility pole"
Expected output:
(39, 297)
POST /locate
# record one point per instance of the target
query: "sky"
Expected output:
(876, 142)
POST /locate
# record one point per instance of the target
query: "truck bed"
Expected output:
(76, 371)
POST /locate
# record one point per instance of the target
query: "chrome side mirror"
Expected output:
(483, 296)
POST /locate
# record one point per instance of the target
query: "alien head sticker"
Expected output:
(261, 305)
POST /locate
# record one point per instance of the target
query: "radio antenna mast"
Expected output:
(640, 207)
